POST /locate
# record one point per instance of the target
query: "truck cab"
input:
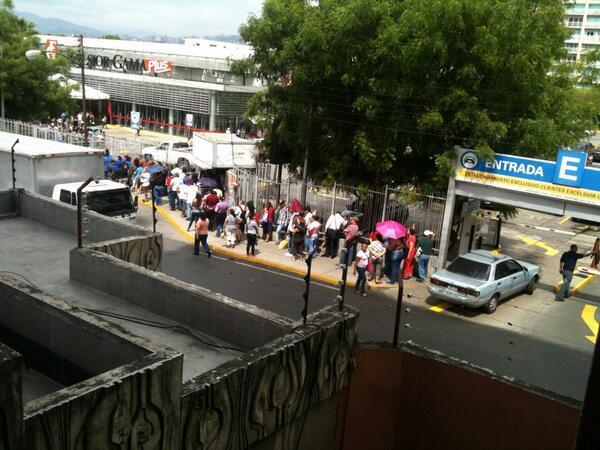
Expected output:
(175, 153)
(102, 196)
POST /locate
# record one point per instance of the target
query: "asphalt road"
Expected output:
(529, 338)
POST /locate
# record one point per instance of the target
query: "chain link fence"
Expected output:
(406, 206)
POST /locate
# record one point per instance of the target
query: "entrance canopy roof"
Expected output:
(563, 187)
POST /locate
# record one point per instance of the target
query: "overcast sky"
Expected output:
(175, 18)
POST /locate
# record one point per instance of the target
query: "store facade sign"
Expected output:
(567, 178)
(121, 63)
(158, 66)
(189, 120)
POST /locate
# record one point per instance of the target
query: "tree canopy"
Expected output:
(28, 91)
(383, 90)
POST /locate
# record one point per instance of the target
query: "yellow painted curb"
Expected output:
(576, 289)
(271, 264)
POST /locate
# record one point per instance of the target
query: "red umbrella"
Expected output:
(391, 229)
(296, 206)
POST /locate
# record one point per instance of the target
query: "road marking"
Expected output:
(589, 317)
(535, 227)
(550, 251)
(442, 306)
(564, 219)
(579, 286)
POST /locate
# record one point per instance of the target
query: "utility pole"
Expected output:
(305, 170)
(82, 66)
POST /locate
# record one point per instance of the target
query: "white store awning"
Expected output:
(90, 92)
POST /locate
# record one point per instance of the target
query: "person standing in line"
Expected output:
(192, 192)
(299, 231)
(202, 235)
(210, 202)
(290, 231)
(195, 211)
(350, 233)
(221, 209)
(411, 249)
(240, 213)
(182, 191)
(396, 250)
(231, 226)
(283, 217)
(567, 264)
(377, 253)
(333, 227)
(266, 220)
(595, 254)
(424, 248)
(176, 182)
(360, 266)
(251, 234)
(312, 234)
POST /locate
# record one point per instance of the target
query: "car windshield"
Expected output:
(110, 203)
(469, 268)
(181, 146)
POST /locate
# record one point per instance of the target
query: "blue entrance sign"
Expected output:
(567, 178)
(570, 167)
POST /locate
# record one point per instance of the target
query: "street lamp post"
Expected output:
(79, 61)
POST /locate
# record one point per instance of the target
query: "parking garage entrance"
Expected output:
(565, 187)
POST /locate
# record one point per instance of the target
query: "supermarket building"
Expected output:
(175, 87)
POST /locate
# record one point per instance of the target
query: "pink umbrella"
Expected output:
(391, 229)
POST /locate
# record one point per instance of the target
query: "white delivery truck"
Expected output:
(225, 150)
(42, 165)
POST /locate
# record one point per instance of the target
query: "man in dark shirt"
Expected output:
(568, 261)
(425, 243)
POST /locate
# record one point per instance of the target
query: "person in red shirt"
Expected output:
(266, 220)
(210, 203)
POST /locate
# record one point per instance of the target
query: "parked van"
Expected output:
(105, 197)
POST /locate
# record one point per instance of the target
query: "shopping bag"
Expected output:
(283, 244)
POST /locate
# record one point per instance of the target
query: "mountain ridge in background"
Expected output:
(50, 25)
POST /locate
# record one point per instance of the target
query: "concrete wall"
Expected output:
(412, 399)
(137, 406)
(8, 204)
(143, 251)
(63, 217)
(56, 338)
(243, 325)
(11, 399)
(262, 398)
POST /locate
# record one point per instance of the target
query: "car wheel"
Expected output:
(492, 304)
(531, 286)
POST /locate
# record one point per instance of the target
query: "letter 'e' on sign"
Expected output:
(570, 167)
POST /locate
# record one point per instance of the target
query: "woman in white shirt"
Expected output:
(360, 266)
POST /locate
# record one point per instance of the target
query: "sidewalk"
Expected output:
(267, 254)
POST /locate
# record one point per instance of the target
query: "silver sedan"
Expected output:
(481, 279)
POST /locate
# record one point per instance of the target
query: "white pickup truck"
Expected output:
(175, 153)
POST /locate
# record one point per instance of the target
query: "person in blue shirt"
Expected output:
(568, 261)
(107, 159)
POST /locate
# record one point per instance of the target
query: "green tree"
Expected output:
(110, 36)
(29, 93)
(391, 87)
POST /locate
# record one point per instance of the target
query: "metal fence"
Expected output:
(116, 145)
(402, 205)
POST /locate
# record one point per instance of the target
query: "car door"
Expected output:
(518, 275)
(503, 279)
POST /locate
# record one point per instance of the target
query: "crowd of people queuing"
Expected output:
(296, 229)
